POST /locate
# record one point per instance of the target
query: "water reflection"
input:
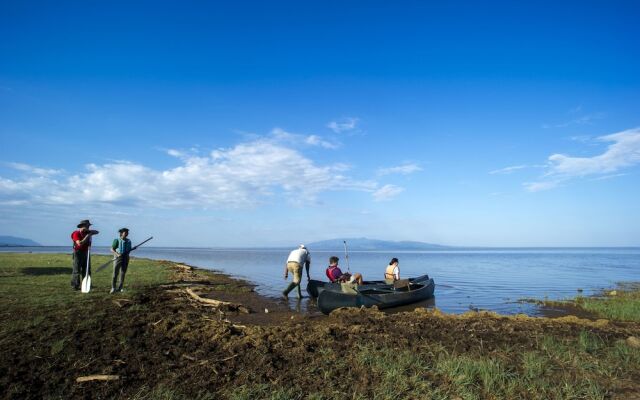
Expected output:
(305, 305)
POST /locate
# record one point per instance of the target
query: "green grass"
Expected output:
(581, 367)
(625, 306)
(44, 279)
(34, 286)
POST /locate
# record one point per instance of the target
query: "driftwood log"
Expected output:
(97, 378)
(183, 267)
(218, 303)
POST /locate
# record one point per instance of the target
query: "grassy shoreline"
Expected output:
(620, 304)
(162, 344)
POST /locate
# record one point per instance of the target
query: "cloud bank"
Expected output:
(246, 175)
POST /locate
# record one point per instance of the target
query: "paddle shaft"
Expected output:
(346, 255)
(100, 268)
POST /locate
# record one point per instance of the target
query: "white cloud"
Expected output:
(34, 170)
(587, 119)
(283, 136)
(245, 175)
(175, 153)
(607, 177)
(315, 140)
(387, 192)
(540, 186)
(405, 169)
(624, 152)
(508, 170)
(343, 125)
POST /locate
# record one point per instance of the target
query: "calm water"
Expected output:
(488, 279)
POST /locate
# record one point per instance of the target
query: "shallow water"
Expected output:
(485, 279)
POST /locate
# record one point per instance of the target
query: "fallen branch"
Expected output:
(218, 303)
(184, 267)
(191, 284)
(122, 302)
(237, 326)
(97, 378)
(228, 358)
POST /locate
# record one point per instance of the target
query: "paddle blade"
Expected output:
(86, 284)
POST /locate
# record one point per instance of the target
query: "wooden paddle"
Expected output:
(86, 281)
(346, 255)
(100, 268)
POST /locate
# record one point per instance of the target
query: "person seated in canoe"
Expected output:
(392, 273)
(336, 275)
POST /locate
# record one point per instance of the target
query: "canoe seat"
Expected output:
(349, 288)
(402, 284)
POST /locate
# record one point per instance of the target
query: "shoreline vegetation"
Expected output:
(621, 303)
(179, 332)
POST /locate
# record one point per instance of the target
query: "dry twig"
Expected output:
(97, 378)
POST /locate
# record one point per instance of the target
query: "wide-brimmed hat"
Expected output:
(84, 222)
(123, 230)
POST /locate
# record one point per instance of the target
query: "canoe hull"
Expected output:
(329, 300)
(314, 287)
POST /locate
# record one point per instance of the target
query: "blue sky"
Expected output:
(274, 123)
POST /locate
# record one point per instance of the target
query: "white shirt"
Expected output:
(301, 256)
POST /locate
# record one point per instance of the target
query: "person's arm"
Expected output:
(77, 241)
(286, 271)
(114, 246)
(87, 238)
(307, 265)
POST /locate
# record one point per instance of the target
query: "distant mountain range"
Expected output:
(372, 245)
(17, 241)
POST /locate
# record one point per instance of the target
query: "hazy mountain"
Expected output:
(372, 244)
(16, 241)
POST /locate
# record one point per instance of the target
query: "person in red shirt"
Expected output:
(336, 275)
(81, 243)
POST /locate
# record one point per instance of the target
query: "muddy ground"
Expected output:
(163, 338)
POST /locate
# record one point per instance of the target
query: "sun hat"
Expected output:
(303, 246)
(84, 222)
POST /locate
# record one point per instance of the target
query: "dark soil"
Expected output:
(163, 338)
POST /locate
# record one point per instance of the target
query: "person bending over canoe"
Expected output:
(392, 273)
(336, 275)
(297, 258)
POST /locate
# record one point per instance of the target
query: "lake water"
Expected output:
(486, 279)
